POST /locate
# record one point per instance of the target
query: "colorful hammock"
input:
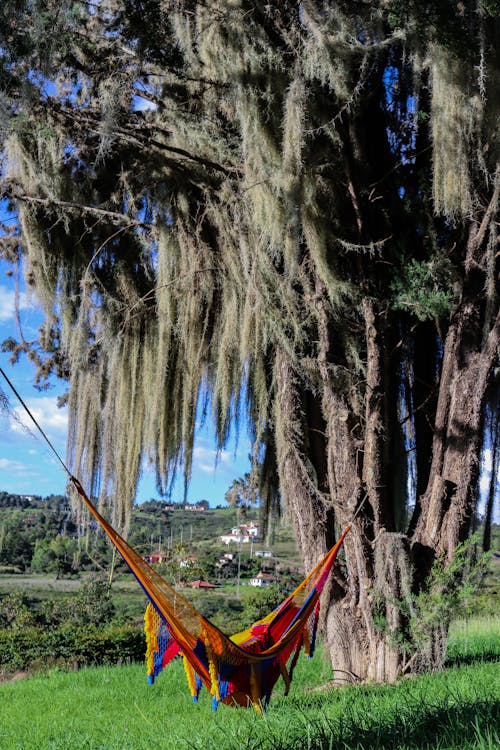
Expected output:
(237, 670)
(241, 669)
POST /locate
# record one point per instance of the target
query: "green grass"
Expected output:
(114, 709)
(472, 640)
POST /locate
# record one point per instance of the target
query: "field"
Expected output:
(114, 709)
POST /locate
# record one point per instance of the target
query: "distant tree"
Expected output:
(288, 211)
(92, 605)
(243, 494)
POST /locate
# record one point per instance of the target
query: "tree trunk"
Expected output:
(367, 605)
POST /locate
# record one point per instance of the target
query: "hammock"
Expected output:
(241, 669)
(237, 670)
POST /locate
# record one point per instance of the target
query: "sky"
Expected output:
(26, 464)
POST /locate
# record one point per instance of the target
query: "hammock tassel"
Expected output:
(214, 672)
(191, 679)
(285, 675)
(151, 625)
(255, 688)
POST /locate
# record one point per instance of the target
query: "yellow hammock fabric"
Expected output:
(241, 669)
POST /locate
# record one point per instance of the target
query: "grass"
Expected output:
(114, 709)
(473, 640)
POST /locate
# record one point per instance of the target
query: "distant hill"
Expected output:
(42, 534)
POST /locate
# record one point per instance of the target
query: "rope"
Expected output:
(56, 454)
(359, 508)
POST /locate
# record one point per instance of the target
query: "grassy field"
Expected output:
(114, 709)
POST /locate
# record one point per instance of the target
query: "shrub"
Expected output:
(21, 649)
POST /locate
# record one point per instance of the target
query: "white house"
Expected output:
(246, 529)
(263, 553)
(242, 534)
(262, 580)
(234, 539)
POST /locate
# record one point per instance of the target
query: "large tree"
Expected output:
(278, 209)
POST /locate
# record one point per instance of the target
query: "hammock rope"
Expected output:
(241, 669)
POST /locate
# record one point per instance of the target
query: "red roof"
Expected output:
(156, 557)
(202, 585)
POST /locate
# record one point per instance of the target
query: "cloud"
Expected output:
(209, 459)
(8, 303)
(52, 419)
(15, 467)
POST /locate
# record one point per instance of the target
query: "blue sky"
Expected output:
(26, 464)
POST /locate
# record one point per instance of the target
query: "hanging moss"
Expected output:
(184, 250)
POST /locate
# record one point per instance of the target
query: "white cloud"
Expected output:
(208, 460)
(51, 418)
(7, 303)
(6, 464)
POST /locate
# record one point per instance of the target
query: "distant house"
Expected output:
(263, 553)
(156, 557)
(233, 539)
(246, 529)
(262, 580)
(202, 585)
(242, 534)
(188, 562)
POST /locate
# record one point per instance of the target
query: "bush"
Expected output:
(69, 645)
(15, 612)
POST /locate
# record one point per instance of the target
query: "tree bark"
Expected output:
(366, 607)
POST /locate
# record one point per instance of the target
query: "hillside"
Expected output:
(41, 534)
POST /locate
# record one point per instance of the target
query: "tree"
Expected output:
(295, 220)
(242, 494)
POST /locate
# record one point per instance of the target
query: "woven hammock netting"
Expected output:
(240, 669)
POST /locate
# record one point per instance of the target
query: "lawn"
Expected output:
(114, 709)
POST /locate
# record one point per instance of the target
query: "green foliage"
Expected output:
(448, 592)
(425, 288)
(69, 645)
(92, 604)
(260, 602)
(53, 555)
(15, 613)
(492, 6)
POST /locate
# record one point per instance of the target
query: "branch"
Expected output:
(140, 135)
(113, 216)
(477, 236)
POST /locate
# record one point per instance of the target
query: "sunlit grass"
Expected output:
(114, 709)
(474, 639)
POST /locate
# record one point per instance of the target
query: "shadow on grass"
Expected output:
(412, 727)
(462, 660)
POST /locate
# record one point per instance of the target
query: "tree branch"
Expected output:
(113, 216)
